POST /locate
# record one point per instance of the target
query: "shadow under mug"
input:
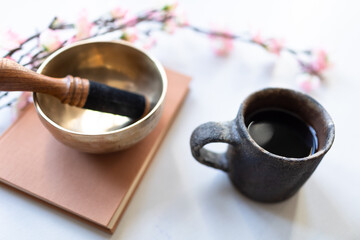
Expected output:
(256, 172)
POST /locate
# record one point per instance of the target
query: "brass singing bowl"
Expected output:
(117, 64)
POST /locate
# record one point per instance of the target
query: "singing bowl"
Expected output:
(117, 64)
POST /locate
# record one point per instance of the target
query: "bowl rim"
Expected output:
(157, 64)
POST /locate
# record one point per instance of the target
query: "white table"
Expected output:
(182, 199)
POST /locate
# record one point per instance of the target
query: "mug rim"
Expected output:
(330, 125)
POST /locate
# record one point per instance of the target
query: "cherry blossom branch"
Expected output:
(4, 94)
(32, 51)
(312, 63)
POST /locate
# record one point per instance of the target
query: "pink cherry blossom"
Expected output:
(83, 26)
(10, 58)
(175, 18)
(181, 19)
(274, 45)
(129, 19)
(177, 15)
(155, 15)
(123, 17)
(222, 45)
(50, 40)
(169, 26)
(308, 82)
(320, 62)
(118, 12)
(10, 40)
(257, 38)
(130, 35)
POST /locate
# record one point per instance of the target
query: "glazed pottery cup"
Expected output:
(256, 172)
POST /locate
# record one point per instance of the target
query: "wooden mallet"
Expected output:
(74, 91)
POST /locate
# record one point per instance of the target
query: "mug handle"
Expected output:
(211, 132)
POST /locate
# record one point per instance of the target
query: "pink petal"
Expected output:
(257, 38)
(130, 35)
(50, 40)
(320, 62)
(308, 82)
(118, 12)
(182, 19)
(10, 40)
(83, 26)
(275, 46)
(222, 45)
(170, 26)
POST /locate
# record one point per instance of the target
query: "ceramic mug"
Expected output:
(255, 172)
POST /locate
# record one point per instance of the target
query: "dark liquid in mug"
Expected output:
(282, 133)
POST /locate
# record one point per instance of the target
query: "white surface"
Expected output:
(181, 199)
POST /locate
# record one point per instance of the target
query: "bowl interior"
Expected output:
(113, 63)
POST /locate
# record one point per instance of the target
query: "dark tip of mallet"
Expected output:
(104, 98)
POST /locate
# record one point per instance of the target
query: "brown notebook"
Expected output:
(94, 187)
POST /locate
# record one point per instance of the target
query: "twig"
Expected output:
(8, 104)
(106, 25)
